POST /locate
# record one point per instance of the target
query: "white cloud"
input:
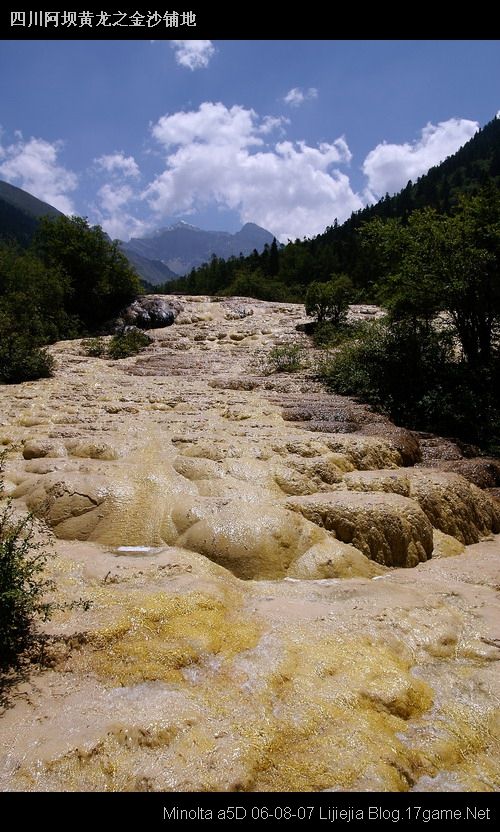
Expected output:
(114, 198)
(111, 198)
(118, 163)
(193, 54)
(33, 166)
(122, 226)
(211, 124)
(295, 97)
(388, 167)
(113, 212)
(217, 154)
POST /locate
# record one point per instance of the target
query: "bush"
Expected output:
(327, 335)
(128, 343)
(329, 301)
(94, 347)
(22, 588)
(284, 358)
(21, 360)
(393, 367)
(410, 372)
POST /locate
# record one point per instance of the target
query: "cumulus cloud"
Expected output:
(33, 166)
(114, 207)
(388, 167)
(295, 97)
(118, 163)
(219, 154)
(193, 54)
(113, 211)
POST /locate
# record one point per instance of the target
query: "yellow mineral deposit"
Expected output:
(275, 604)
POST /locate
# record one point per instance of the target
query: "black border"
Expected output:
(264, 21)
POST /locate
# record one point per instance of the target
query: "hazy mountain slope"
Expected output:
(152, 271)
(183, 247)
(20, 212)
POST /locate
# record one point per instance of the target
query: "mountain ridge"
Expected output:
(150, 255)
(338, 249)
(182, 246)
(20, 212)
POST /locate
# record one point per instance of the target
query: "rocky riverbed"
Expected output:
(287, 591)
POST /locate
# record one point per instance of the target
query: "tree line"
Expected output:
(68, 283)
(434, 362)
(284, 272)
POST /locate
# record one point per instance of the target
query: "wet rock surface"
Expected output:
(287, 591)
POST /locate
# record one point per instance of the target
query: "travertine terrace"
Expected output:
(284, 595)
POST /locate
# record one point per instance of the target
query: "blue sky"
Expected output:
(288, 134)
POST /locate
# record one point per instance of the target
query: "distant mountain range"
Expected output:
(339, 249)
(153, 272)
(183, 247)
(157, 258)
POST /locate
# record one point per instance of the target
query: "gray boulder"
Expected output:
(150, 312)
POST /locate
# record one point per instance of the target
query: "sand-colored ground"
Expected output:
(305, 610)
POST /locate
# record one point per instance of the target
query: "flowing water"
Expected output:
(280, 599)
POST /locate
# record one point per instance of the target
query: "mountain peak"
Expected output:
(251, 226)
(183, 225)
(182, 246)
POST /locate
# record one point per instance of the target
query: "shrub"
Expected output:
(22, 587)
(94, 347)
(327, 335)
(329, 301)
(410, 372)
(21, 360)
(392, 366)
(130, 342)
(284, 358)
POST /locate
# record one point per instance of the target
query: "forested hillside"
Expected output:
(68, 282)
(20, 213)
(285, 272)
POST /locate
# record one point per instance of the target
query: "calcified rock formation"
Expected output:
(302, 608)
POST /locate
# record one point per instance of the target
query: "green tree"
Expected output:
(34, 297)
(101, 278)
(274, 259)
(437, 263)
(32, 314)
(23, 586)
(329, 301)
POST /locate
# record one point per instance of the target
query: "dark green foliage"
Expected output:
(21, 361)
(434, 364)
(437, 263)
(256, 285)
(284, 358)
(391, 366)
(72, 280)
(23, 588)
(326, 336)
(339, 249)
(94, 347)
(128, 343)
(233, 278)
(33, 297)
(409, 371)
(329, 301)
(100, 276)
